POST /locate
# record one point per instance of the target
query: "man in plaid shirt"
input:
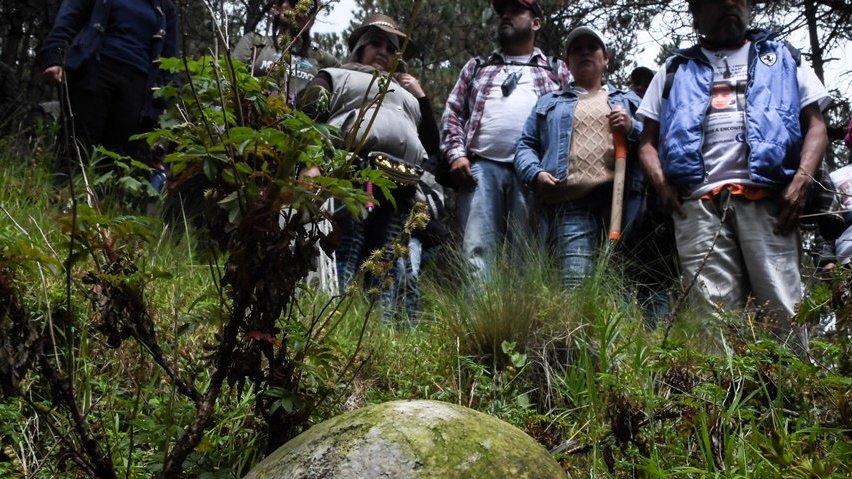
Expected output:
(483, 119)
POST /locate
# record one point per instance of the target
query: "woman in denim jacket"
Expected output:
(566, 155)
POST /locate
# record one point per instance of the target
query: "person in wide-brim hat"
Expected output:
(385, 24)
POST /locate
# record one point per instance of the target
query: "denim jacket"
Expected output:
(78, 32)
(546, 137)
(773, 130)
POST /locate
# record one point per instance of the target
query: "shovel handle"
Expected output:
(618, 186)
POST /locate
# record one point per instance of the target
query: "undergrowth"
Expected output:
(579, 372)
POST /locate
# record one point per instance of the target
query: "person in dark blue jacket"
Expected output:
(105, 56)
(566, 154)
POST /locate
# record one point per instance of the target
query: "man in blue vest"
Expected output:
(733, 135)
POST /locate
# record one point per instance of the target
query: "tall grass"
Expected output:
(121, 391)
(579, 371)
(711, 399)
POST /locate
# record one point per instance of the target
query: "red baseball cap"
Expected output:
(528, 4)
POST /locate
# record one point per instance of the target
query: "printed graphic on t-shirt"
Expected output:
(303, 68)
(842, 179)
(727, 96)
(724, 150)
(725, 122)
(724, 125)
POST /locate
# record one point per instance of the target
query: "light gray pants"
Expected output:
(747, 259)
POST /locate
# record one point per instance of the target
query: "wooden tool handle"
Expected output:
(618, 186)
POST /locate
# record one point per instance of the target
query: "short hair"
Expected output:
(641, 76)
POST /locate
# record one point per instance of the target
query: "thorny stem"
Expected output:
(156, 353)
(63, 392)
(61, 437)
(195, 432)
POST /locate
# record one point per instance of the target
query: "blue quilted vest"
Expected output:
(773, 132)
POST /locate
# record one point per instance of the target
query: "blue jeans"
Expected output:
(487, 212)
(360, 238)
(407, 285)
(573, 230)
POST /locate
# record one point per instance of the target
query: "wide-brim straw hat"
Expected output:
(384, 23)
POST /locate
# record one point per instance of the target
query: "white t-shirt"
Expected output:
(724, 150)
(503, 116)
(842, 179)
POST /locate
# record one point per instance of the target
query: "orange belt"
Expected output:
(748, 192)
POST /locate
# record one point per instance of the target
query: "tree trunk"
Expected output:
(813, 37)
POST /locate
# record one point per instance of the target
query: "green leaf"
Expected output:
(210, 168)
(171, 64)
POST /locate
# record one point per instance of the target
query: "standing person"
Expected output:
(733, 135)
(649, 243)
(640, 78)
(106, 55)
(834, 250)
(483, 118)
(566, 154)
(291, 26)
(404, 128)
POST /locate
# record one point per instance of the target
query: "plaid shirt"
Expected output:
(466, 102)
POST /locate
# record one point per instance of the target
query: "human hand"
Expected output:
(793, 201)
(411, 84)
(619, 120)
(825, 271)
(670, 198)
(545, 185)
(53, 75)
(461, 174)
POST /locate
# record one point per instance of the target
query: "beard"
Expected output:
(730, 36)
(508, 35)
(728, 32)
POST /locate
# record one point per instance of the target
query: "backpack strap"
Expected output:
(671, 68)
(795, 53)
(480, 62)
(552, 66)
(674, 62)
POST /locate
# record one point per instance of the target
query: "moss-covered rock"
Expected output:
(410, 439)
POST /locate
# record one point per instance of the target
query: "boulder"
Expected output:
(410, 439)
